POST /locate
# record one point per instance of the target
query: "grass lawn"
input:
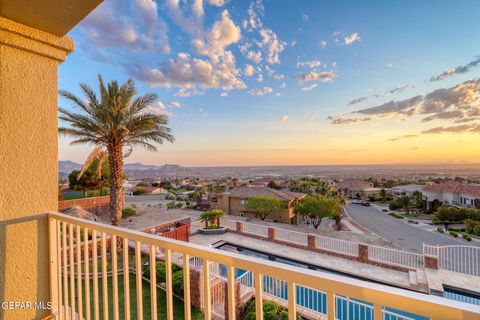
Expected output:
(161, 300)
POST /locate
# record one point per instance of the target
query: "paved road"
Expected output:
(400, 232)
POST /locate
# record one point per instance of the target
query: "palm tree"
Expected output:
(405, 202)
(383, 194)
(113, 124)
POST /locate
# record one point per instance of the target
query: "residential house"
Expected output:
(356, 188)
(453, 193)
(150, 190)
(406, 190)
(233, 202)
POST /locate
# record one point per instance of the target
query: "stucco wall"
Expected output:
(29, 61)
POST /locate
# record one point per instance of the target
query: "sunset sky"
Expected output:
(292, 82)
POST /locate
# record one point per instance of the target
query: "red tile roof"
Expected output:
(354, 184)
(248, 192)
(454, 187)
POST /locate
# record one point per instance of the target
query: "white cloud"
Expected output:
(249, 70)
(224, 94)
(261, 92)
(272, 44)
(389, 65)
(323, 44)
(458, 70)
(310, 87)
(260, 77)
(186, 72)
(174, 104)
(218, 3)
(283, 118)
(111, 26)
(324, 76)
(305, 17)
(311, 63)
(354, 37)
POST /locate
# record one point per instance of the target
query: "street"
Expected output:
(398, 231)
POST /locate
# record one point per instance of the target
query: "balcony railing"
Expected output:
(84, 255)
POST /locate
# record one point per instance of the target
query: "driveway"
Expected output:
(399, 231)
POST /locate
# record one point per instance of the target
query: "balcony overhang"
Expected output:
(56, 17)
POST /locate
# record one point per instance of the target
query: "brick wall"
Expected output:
(90, 204)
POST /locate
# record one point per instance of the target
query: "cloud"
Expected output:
(174, 104)
(136, 27)
(218, 3)
(311, 63)
(249, 70)
(186, 72)
(272, 45)
(388, 66)
(464, 128)
(224, 94)
(458, 70)
(357, 100)
(283, 118)
(305, 17)
(406, 136)
(323, 76)
(323, 44)
(261, 92)
(354, 37)
(345, 120)
(310, 87)
(454, 104)
(157, 108)
(400, 88)
(272, 73)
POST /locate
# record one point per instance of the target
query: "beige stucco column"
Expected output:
(29, 60)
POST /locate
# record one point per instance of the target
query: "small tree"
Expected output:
(315, 208)
(263, 205)
(405, 202)
(212, 216)
(383, 194)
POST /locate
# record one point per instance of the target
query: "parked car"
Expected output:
(356, 201)
(365, 203)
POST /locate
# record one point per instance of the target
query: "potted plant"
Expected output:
(211, 219)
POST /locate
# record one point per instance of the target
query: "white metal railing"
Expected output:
(462, 259)
(69, 267)
(230, 224)
(256, 229)
(390, 315)
(395, 257)
(337, 245)
(291, 236)
(431, 251)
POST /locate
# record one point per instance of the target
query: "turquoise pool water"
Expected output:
(461, 295)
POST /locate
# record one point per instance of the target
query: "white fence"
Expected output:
(256, 229)
(462, 259)
(292, 236)
(395, 257)
(230, 224)
(337, 245)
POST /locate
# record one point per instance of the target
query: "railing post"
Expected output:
(292, 301)
(362, 252)
(272, 233)
(54, 270)
(239, 226)
(331, 306)
(311, 241)
(377, 312)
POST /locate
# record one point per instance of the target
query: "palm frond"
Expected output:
(97, 154)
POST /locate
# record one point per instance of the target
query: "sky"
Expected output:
(291, 82)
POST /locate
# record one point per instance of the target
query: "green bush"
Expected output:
(271, 311)
(161, 271)
(453, 233)
(139, 191)
(385, 210)
(393, 214)
(466, 237)
(179, 205)
(440, 229)
(394, 205)
(412, 221)
(177, 283)
(471, 226)
(128, 212)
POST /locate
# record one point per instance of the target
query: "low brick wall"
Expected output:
(89, 204)
(362, 254)
(181, 231)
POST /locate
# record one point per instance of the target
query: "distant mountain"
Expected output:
(67, 166)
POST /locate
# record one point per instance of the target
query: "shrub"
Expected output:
(394, 205)
(393, 214)
(470, 226)
(142, 184)
(412, 221)
(440, 229)
(128, 212)
(466, 237)
(385, 210)
(139, 191)
(177, 283)
(179, 205)
(453, 233)
(161, 271)
(271, 311)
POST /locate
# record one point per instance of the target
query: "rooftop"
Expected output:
(355, 184)
(255, 191)
(454, 187)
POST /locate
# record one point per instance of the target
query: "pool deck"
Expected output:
(375, 273)
(437, 278)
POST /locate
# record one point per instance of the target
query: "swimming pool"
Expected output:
(309, 298)
(462, 295)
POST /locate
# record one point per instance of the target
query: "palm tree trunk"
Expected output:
(115, 162)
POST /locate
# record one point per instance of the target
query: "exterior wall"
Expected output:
(89, 204)
(29, 60)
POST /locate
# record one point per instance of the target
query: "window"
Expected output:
(213, 199)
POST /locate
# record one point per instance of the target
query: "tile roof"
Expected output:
(354, 184)
(248, 192)
(454, 187)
